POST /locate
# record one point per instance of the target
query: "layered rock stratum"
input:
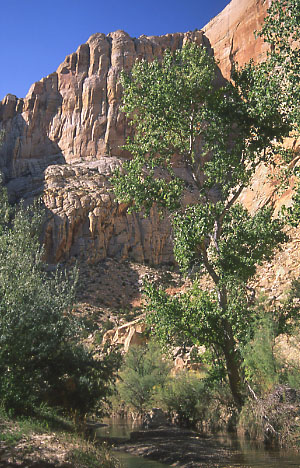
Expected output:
(64, 139)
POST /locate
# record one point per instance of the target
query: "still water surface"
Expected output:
(247, 454)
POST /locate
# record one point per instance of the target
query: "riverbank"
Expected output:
(188, 449)
(49, 442)
(177, 447)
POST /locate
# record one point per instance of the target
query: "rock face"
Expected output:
(85, 221)
(231, 33)
(73, 114)
(63, 139)
(126, 335)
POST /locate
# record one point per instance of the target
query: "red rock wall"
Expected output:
(231, 33)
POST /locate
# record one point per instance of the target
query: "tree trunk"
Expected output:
(233, 367)
(231, 355)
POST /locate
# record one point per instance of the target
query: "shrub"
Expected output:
(273, 419)
(143, 372)
(260, 365)
(182, 394)
(198, 401)
(42, 358)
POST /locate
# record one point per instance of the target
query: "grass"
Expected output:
(90, 457)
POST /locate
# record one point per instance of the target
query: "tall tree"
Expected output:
(221, 134)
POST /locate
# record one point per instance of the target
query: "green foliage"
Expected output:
(163, 97)
(282, 31)
(259, 362)
(196, 317)
(183, 395)
(292, 213)
(246, 241)
(170, 104)
(143, 372)
(263, 364)
(41, 358)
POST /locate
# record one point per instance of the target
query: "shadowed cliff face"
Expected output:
(63, 139)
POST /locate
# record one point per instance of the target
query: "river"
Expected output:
(244, 454)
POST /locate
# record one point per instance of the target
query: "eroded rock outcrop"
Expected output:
(73, 114)
(85, 221)
(127, 335)
(69, 129)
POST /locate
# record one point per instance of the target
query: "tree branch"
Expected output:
(209, 267)
(220, 220)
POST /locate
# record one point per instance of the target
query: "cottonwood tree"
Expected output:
(221, 134)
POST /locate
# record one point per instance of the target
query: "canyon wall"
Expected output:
(73, 114)
(67, 123)
(64, 138)
(231, 33)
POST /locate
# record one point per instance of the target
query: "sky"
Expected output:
(36, 35)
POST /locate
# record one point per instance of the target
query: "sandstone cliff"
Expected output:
(231, 33)
(63, 139)
(73, 114)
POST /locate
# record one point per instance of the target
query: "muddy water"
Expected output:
(245, 454)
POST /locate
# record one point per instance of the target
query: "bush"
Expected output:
(198, 401)
(260, 364)
(143, 373)
(41, 357)
(273, 419)
(182, 395)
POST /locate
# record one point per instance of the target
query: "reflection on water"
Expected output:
(246, 453)
(250, 455)
(121, 428)
(118, 427)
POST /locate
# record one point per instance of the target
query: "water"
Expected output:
(251, 455)
(132, 461)
(120, 429)
(246, 454)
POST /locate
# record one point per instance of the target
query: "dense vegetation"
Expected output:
(222, 133)
(42, 357)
